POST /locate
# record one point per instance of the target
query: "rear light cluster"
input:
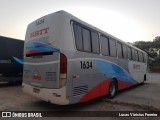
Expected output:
(63, 70)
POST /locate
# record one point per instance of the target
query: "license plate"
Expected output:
(36, 90)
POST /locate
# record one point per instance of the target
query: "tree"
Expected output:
(156, 42)
(142, 45)
(147, 47)
(151, 48)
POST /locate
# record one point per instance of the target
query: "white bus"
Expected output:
(68, 61)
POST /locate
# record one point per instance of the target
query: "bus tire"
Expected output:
(112, 89)
(144, 79)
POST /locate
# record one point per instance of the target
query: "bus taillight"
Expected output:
(63, 70)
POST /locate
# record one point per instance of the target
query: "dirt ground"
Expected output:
(13, 99)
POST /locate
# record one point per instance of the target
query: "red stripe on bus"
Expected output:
(103, 89)
(99, 90)
(122, 84)
(33, 51)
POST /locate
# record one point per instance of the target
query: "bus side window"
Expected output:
(143, 58)
(133, 54)
(86, 40)
(136, 55)
(104, 45)
(119, 50)
(129, 54)
(112, 46)
(95, 42)
(78, 37)
(140, 56)
(125, 51)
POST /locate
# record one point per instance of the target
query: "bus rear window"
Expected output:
(39, 54)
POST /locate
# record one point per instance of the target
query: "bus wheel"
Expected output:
(144, 79)
(112, 89)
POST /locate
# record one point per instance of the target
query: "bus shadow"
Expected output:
(7, 84)
(79, 106)
(87, 109)
(131, 88)
(85, 106)
(73, 107)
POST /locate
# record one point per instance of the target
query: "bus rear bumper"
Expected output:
(55, 96)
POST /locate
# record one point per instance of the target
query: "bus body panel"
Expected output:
(49, 95)
(11, 69)
(90, 83)
(10, 50)
(88, 75)
(42, 72)
(137, 70)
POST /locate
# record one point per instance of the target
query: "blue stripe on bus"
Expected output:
(42, 47)
(112, 70)
(18, 60)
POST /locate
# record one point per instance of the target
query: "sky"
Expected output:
(128, 20)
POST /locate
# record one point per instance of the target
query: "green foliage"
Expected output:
(142, 45)
(157, 60)
(151, 48)
(156, 42)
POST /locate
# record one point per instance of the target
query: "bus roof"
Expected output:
(74, 18)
